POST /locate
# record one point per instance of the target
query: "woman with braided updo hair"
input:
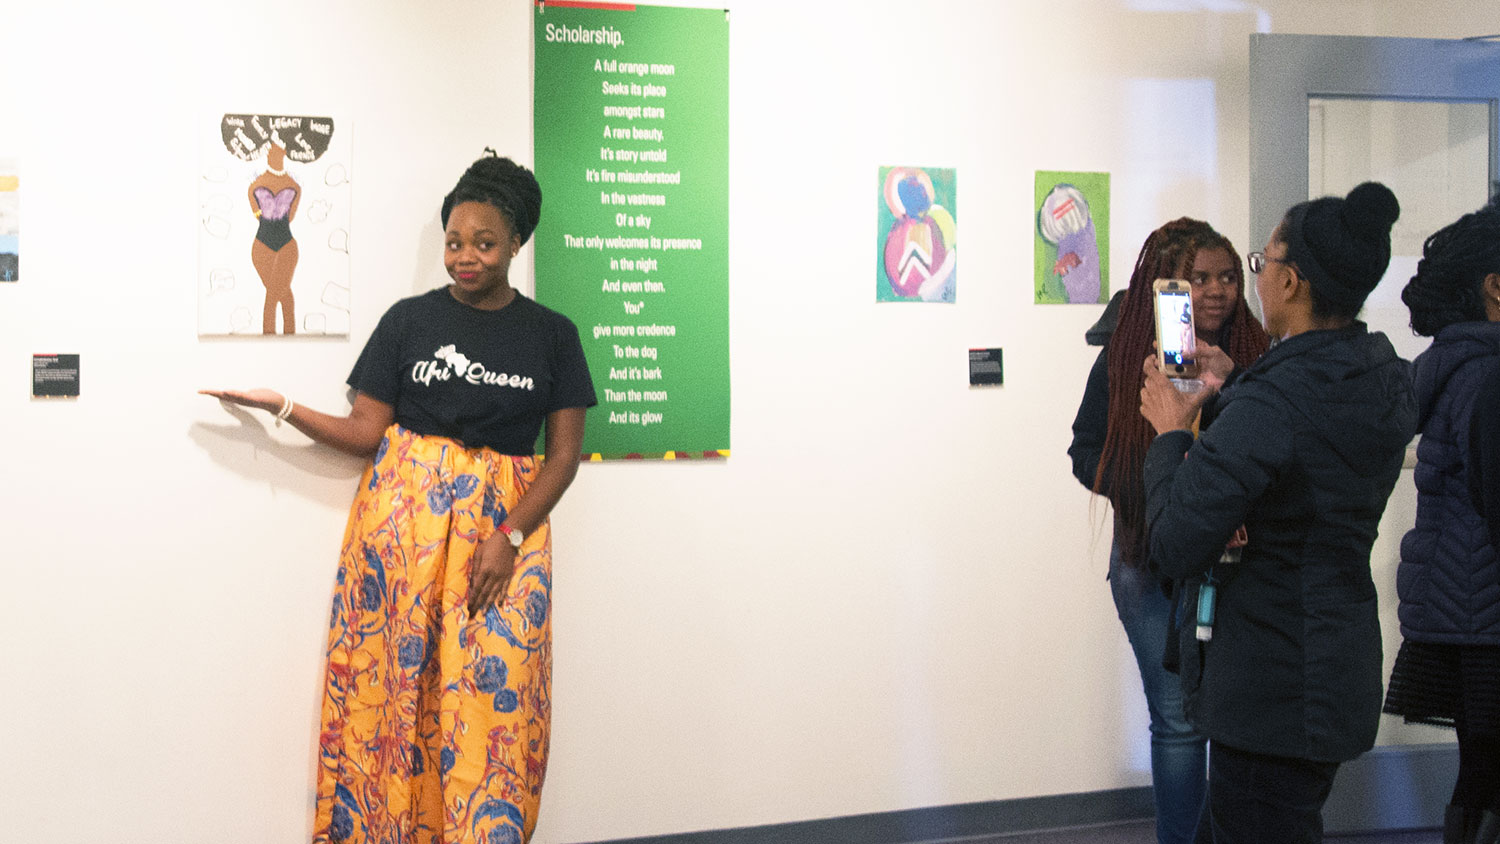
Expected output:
(437, 703)
(1109, 448)
(1447, 672)
(1280, 661)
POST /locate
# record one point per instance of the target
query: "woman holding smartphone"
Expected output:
(1305, 447)
(1109, 447)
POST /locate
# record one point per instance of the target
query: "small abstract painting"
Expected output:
(916, 235)
(10, 221)
(1072, 238)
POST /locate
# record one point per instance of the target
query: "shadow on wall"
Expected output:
(241, 449)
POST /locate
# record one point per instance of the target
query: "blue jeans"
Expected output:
(1179, 755)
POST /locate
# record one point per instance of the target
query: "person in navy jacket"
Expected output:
(1283, 671)
(1447, 672)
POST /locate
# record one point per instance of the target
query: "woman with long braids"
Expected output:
(1109, 448)
(1281, 662)
(1447, 672)
(436, 712)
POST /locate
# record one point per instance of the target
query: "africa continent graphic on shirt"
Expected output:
(451, 362)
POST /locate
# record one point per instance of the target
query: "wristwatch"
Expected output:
(515, 536)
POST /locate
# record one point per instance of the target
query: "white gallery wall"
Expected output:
(892, 595)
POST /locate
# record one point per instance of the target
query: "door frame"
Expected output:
(1287, 70)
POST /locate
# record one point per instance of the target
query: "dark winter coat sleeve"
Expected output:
(1484, 455)
(1198, 493)
(1092, 422)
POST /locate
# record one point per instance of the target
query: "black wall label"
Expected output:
(54, 376)
(986, 366)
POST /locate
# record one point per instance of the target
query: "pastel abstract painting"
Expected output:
(917, 235)
(1071, 256)
(10, 221)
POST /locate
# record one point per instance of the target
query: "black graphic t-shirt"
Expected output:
(485, 378)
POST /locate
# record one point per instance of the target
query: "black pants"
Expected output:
(1258, 799)
(1478, 785)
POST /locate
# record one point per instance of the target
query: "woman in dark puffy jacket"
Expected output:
(1448, 670)
(1303, 451)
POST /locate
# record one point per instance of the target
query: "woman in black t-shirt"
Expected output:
(436, 712)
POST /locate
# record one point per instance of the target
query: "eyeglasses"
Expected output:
(1258, 261)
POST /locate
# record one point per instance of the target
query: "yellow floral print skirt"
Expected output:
(435, 724)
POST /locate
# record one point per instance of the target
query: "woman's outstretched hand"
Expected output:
(490, 571)
(267, 400)
(358, 433)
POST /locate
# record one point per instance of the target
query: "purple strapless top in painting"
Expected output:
(275, 206)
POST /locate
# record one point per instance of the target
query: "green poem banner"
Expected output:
(632, 152)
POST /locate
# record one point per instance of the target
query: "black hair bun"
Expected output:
(504, 184)
(1370, 210)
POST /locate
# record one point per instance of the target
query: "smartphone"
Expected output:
(1175, 339)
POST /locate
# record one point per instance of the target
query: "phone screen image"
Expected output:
(1174, 319)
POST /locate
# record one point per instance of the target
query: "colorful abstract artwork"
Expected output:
(10, 221)
(917, 235)
(1072, 238)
